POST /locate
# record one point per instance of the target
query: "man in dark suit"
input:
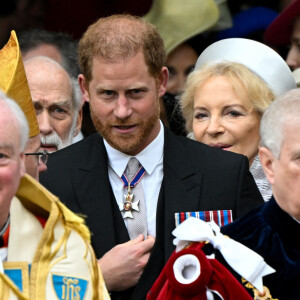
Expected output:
(122, 59)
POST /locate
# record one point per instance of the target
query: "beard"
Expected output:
(54, 139)
(131, 143)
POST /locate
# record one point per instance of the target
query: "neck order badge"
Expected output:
(130, 203)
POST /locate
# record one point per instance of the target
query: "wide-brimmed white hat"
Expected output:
(257, 57)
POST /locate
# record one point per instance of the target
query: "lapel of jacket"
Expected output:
(96, 199)
(182, 185)
(179, 193)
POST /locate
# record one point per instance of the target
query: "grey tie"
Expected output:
(138, 224)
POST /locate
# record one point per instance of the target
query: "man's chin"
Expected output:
(130, 141)
(126, 145)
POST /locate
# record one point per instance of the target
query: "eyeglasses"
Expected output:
(42, 156)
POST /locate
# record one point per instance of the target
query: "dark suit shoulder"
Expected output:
(76, 153)
(62, 164)
(248, 226)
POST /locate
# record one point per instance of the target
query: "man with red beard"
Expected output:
(123, 76)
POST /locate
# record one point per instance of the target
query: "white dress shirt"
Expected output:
(151, 158)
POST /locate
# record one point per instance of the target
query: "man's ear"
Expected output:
(163, 80)
(267, 160)
(84, 88)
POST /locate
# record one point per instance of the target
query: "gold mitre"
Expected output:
(14, 83)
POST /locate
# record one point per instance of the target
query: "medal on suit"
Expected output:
(130, 204)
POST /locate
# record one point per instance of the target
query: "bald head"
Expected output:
(56, 101)
(42, 70)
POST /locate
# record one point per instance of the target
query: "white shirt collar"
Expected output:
(149, 157)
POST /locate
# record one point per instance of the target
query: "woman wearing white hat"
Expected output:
(233, 83)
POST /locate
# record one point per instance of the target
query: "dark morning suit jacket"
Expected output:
(196, 178)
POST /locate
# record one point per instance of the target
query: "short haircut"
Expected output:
(118, 37)
(284, 110)
(20, 118)
(65, 44)
(258, 92)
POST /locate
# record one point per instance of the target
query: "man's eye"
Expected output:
(59, 110)
(3, 158)
(136, 91)
(109, 93)
(59, 113)
(38, 108)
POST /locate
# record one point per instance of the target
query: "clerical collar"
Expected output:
(149, 157)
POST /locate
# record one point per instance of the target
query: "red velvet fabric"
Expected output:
(213, 276)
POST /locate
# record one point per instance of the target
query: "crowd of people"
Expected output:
(111, 145)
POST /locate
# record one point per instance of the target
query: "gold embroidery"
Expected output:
(69, 290)
(265, 295)
(24, 268)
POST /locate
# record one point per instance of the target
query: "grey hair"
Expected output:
(76, 98)
(284, 109)
(77, 95)
(20, 117)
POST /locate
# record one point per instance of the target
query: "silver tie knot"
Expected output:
(132, 168)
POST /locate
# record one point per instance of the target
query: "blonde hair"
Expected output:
(258, 92)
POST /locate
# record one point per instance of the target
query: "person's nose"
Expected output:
(215, 126)
(45, 123)
(293, 58)
(123, 108)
